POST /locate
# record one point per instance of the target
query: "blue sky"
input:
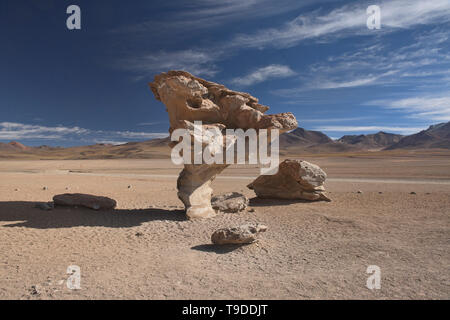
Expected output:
(316, 59)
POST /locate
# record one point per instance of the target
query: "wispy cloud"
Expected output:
(348, 20)
(328, 120)
(188, 16)
(318, 83)
(19, 131)
(435, 108)
(273, 71)
(359, 129)
(144, 124)
(198, 62)
(345, 21)
(16, 131)
(376, 62)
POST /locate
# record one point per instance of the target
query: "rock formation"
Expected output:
(188, 99)
(295, 179)
(231, 202)
(247, 233)
(84, 200)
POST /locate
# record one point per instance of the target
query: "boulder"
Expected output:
(243, 234)
(84, 200)
(189, 99)
(231, 202)
(295, 180)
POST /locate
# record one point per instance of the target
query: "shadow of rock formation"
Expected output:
(24, 214)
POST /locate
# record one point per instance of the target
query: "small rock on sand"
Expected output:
(35, 290)
(243, 234)
(230, 202)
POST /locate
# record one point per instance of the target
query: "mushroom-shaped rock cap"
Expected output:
(190, 98)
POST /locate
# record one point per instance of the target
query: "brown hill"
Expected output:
(156, 148)
(302, 137)
(378, 140)
(436, 136)
(295, 142)
(302, 140)
(13, 146)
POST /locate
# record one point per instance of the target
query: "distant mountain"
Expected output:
(378, 140)
(302, 137)
(436, 136)
(13, 146)
(302, 140)
(295, 142)
(156, 148)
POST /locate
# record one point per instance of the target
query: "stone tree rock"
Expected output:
(189, 99)
(295, 179)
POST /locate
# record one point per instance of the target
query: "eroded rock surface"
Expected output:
(188, 99)
(84, 200)
(295, 179)
(247, 233)
(231, 202)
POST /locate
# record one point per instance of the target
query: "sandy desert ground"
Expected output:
(146, 249)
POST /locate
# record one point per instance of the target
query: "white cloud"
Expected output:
(197, 62)
(16, 131)
(323, 82)
(197, 15)
(19, 131)
(139, 135)
(346, 84)
(348, 20)
(435, 108)
(377, 63)
(263, 74)
(148, 123)
(325, 120)
(401, 130)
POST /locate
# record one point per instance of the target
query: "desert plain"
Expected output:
(146, 248)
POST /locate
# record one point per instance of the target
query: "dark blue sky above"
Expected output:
(316, 59)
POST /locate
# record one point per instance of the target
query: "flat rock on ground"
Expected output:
(84, 200)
